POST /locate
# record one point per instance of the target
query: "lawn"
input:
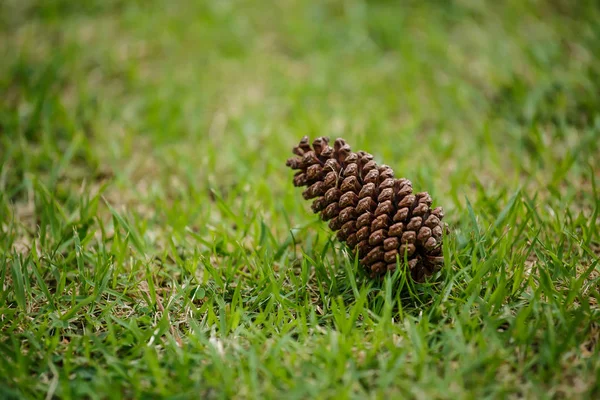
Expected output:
(152, 244)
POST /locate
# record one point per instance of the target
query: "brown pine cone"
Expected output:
(376, 215)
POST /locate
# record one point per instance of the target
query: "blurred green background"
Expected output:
(440, 90)
(180, 115)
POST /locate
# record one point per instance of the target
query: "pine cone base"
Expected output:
(378, 216)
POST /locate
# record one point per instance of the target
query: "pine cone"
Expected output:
(377, 216)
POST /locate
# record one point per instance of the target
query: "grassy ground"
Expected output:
(152, 244)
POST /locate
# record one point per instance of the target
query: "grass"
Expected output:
(152, 244)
